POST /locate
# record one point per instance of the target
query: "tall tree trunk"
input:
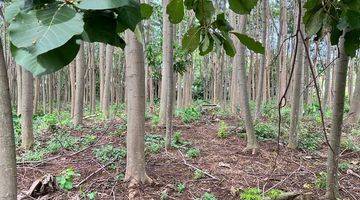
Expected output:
(135, 159)
(19, 87)
(36, 94)
(261, 77)
(102, 56)
(27, 135)
(327, 74)
(336, 122)
(243, 92)
(355, 101)
(296, 97)
(72, 75)
(107, 82)
(8, 183)
(168, 74)
(79, 89)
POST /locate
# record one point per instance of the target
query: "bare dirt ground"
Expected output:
(226, 166)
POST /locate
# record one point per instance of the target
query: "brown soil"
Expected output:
(223, 159)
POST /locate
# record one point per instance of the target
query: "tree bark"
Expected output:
(135, 165)
(336, 122)
(327, 74)
(79, 90)
(354, 114)
(102, 56)
(8, 185)
(27, 135)
(107, 82)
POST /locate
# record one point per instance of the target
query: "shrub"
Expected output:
(309, 141)
(107, 153)
(181, 187)
(154, 143)
(251, 194)
(65, 141)
(189, 115)
(320, 181)
(66, 179)
(177, 138)
(344, 166)
(208, 196)
(274, 193)
(193, 153)
(155, 120)
(223, 130)
(349, 144)
(265, 131)
(198, 174)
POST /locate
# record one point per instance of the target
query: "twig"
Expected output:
(282, 181)
(92, 174)
(192, 166)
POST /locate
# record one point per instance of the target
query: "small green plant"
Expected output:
(208, 196)
(65, 141)
(33, 155)
(155, 120)
(223, 130)
(265, 131)
(251, 194)
(88, 139)
(91, 195)
(193, 153)
(321, 180)
(164, 195)
(344, 166)
(120, 177)
(309, 141)
(198, 174)
(154, 143)
(189, 115)
(109, 153)
(274, 193)
(349, 144)
(66, 179)
(177, 138)
(181, 187)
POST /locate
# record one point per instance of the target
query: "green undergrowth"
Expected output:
(189, 115)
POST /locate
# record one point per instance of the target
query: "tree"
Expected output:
(283, 49)
(79, 89)
(8, 184)
(107, 81)
(27, 135)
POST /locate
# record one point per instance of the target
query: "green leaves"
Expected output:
(128, 16)
(352, 42)
(175, 10)
(314, 22)
(191, 39)
(206, 44)
(43, 30)
(242, 6)
(204, 10)
(98, 31)
(250, 43)
(146, 11)
(103, 4)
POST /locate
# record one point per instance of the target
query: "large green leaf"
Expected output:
(13, 9)
(204, 10)
(191, 39)
(102, 4)
(175, 10)
(228, 45)
(314, 22)
(250, 43)
(242, 6)
(146, 11)
(221, 23)
(128, 16)
(352, 42)
(48, 62)
(206, 44)
(353, 18)
(98, 31)
(45, 29)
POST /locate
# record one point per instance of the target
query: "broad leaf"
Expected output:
(13, 9)
(228, 45)
(175, 10)
(189, 4)
(242, 6)
(191, 39)
(314, 22)
(204, 10)
(48, 28)
(221, 23)
(146, 11)
(353, 18)
(98, 31)
(48, 62)
(102, 4)
(128, 16)
(352, 42)
(206, 44)
(250, 43)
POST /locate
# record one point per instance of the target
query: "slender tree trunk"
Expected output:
(296, 97)
(19, 87)
(327, 74)
(79, 89)
(8, 183)
(107, 82)
(336, 122)
(259, 96)
(27, 135)
(243, 92)
(102, 56)
(135, 78)
(355, 102)
(72, 74)
(36, 94)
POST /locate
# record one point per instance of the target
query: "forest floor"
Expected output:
(223, 170)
